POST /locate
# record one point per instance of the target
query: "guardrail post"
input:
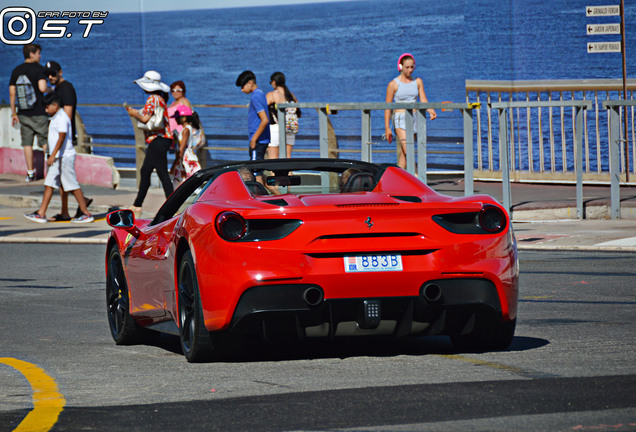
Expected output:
(365, 136)
(422, 167)
(615, 163)
(467, 114)
(83, 140)
(504, 155)
(282, 133)
(578, 162)
(140, 149)
(410, 144)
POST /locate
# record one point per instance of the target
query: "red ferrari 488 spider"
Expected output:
(321, 248)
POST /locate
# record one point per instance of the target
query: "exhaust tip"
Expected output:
(431, 292)
(313, 296)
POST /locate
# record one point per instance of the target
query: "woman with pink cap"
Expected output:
(404, 88)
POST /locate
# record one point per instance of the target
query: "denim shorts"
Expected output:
(399, 120)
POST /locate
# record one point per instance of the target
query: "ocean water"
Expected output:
(329, 52)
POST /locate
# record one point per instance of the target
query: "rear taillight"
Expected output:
(491, 218)
(231, 226)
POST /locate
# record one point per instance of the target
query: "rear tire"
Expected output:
(123, 327)
(489, 334)
(196, 341)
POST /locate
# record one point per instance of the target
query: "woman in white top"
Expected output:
(281, 94)
(404, 88)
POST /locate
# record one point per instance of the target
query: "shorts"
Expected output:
(62, 173)
(273, 131)
(399, 121)
(258, 153)
(30, 126)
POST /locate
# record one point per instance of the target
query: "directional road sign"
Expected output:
(599, 29)
(613, 10)
(603, 47)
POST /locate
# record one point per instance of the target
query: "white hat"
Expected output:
(151, 81)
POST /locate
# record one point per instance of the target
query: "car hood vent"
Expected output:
(407, 198)
(366, 205)
(277, 202)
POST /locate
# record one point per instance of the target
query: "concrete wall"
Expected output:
(90, 169)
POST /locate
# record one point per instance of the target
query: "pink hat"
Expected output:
(182, 110)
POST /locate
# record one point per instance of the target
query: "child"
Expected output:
(191, 139)
(61, 162)
(257, 118)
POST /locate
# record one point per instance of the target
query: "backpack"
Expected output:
(25, 92)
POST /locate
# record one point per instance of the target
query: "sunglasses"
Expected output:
(177, 90)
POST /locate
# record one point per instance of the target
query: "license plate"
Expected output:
(370, 263)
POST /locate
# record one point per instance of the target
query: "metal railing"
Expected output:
(542, 134)
(418, 109)
(506, 151)
(615, 141)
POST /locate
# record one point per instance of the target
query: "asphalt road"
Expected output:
(571, 365)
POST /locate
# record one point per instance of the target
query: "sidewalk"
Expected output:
(544, 216)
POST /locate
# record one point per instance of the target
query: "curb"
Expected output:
(50, 240)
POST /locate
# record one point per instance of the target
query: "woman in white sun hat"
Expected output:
(158, 139)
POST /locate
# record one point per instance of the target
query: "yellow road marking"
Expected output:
(48, 403)
(493, 365)
(6, 217)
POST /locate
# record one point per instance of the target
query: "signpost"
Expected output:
(611, 47)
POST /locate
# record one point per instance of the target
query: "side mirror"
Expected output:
(124, 219)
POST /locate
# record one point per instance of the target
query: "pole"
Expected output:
(626, 136)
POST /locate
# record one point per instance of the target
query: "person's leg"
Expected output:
(64, 199)
(401, 136)
(160, 161)
(41, 130)
(144, 180)
(79, 196)
(46, 199)
(26, 136)
(28, 157)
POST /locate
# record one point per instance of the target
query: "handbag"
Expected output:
(291, 120)
(156, 121)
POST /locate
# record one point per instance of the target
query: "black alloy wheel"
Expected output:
(122, 325)
(196, 341)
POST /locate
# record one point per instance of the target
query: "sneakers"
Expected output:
(35, 217)
(30, 176)
(83, 219)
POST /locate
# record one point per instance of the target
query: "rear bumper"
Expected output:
(297, 310)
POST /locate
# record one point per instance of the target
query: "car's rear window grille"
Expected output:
(367, 205)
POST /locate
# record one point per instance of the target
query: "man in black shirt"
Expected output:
(26, 88)
(65, 90)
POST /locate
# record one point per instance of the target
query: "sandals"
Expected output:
(79, 213)
(59, 218)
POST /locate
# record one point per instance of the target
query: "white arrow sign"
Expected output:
(613, 10)
(603, 47)
(594, 29)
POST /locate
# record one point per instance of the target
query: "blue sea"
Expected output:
(329, 52)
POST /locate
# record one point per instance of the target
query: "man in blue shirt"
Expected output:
(257, 120)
